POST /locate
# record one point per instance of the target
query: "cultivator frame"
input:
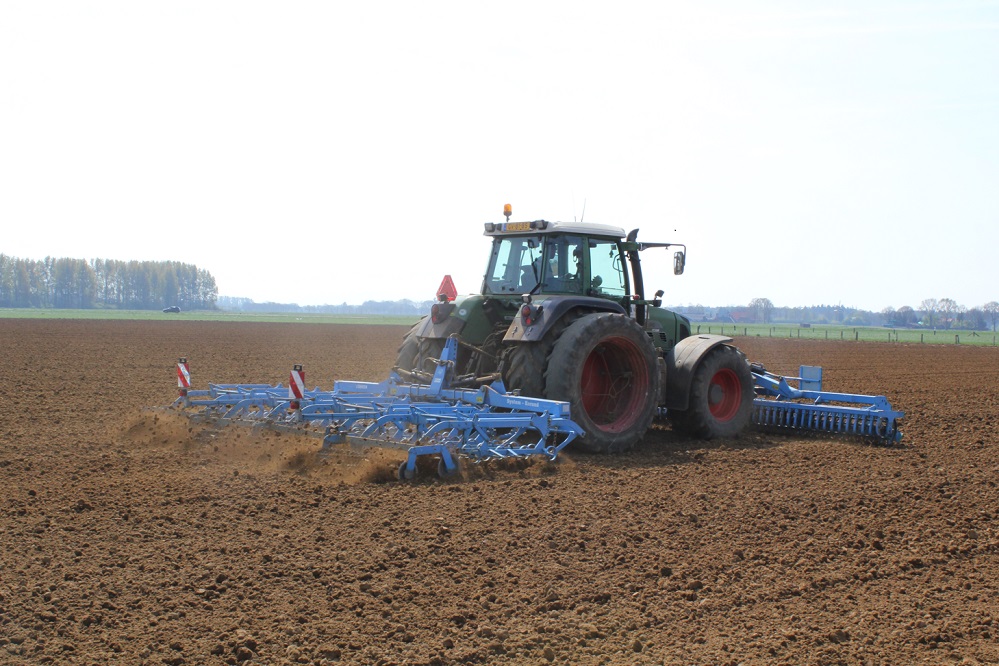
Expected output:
(422, 419)
(487, 422)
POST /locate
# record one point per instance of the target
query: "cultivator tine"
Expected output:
(780, 407)
(432, 418)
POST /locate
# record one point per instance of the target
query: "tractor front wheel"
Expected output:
(408, 350)
(605, 366)
(523, 368)
(721, 396)
(523, 364)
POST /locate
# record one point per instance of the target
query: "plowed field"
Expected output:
(131, 537)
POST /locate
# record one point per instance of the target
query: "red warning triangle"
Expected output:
(447, 288)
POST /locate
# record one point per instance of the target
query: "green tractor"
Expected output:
(563, 315)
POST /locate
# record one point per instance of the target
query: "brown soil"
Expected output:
(133, 537)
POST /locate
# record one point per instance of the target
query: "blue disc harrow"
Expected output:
(430, 419)
(779, 407)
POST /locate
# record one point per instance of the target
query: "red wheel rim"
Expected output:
(724, 395)
(614, 384)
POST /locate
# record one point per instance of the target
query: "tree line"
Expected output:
(403, 307)
(945, 313)
(104, 283)
(948, 313)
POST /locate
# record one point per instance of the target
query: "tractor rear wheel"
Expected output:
(605, 366)
(721, 396)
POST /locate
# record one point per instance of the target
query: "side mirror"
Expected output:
(679, 261)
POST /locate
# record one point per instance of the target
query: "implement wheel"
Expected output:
(604, 365)
(442, 470)
(721, 396)
(403, 473)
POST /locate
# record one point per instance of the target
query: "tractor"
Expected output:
(561, 347)
(563, 315)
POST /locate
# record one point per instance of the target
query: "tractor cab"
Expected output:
(572, 264)
(540, 277)
(556, 258)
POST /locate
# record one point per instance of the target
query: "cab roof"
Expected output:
(545, 227)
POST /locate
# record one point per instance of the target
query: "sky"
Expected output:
(812, 153)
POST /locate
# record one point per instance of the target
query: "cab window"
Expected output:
(514, 265)
(607, 274)
(563, 265)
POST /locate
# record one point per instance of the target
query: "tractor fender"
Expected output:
(428, 329)
(553, 308)
(682, 362)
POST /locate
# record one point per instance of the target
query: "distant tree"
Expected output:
(960, 315)
(169, 287)
(41, 280)
(889, 316)
(991, 310)
(799, 314)
(929, 308)
(62, 283)
(948, 308)
(763, 307)
(86, 284)
(22, 284)
(975, 319)
(858, 318)
(4, 285)
(905, 316)
(207, 290)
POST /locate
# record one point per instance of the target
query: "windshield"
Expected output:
(518, 263)
(514, 265)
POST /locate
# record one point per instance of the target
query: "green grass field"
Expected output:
(855, 333)
(814, 332)
(206, 315)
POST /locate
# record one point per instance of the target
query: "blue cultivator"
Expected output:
(781, 408)
(422, 419)
(430, 418)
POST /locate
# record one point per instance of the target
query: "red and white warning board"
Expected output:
(447, 288)
(296, 383)
(183, 374)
